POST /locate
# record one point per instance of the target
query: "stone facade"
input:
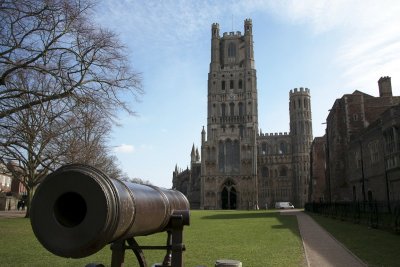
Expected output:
(375, 157)
(355, 144)
(241, 167)
(318, 186)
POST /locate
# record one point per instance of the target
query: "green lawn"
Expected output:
(256, 238)
(375, 247)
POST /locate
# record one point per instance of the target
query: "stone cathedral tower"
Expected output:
(240, 167)
(228, 175)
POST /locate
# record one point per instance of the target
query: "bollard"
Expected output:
(228, 263)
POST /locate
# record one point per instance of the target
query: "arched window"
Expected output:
(264, 172)
(241, 112)
(231, 50)
(223, 85)
(240, 84)
(241, 131)
(264, 149)
(283, 171)
(231, 84)
(232, 109)
(223, 110)
(282, 148)
(221, 156)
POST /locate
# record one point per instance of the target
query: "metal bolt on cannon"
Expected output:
(77, 210)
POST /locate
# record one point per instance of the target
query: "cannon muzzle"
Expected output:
(77, 210)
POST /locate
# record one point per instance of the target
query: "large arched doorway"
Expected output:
(228, 196)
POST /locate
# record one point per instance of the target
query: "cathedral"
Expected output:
(238, 166)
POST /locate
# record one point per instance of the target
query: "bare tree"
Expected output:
(56, 38)
(26, 140)
(86, 142)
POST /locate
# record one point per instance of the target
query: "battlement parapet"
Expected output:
(232, 34)
(274, 134)
(299, 91)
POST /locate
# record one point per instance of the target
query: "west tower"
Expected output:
(229, 147)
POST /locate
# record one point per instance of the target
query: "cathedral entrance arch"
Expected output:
(228, 196)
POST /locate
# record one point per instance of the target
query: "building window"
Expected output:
(241, 112)
(232, 109)
(264, 172)
(282, 148)
(283, 171)
(231, 50)
(241, 131)
(223, 110)
(240, 84)
(357, 159)
(264, 148)
(374, 151)
(231, 84)
(223, 85)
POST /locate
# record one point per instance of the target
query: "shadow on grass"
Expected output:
(242, 215)
(283, 222)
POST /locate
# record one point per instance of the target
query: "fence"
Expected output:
(373, 213)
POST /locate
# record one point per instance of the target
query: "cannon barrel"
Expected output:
(77, 210)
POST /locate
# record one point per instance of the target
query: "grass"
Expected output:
(256, 238)
(375, 247)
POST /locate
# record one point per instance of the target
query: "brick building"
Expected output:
(318, 185)
(357, 126)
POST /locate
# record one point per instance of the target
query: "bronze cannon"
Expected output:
(77, 210)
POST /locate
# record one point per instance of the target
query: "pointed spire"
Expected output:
(197, 155)
(193, 154)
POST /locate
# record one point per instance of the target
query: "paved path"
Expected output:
(12, 213)
(320, 247)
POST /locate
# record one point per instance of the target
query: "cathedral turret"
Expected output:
(215, 47)
(301, 131)
(248, 34)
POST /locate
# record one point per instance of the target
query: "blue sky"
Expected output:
(330, 47)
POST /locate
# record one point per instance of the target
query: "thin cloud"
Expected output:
(124, 148)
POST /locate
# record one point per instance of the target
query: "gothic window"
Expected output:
(231, 50)
(374, 151)
(223, 110)
(294, 104)
(241, 131)
(283, 171)
(264, 148)
(299, 103)
(236, 156)
(305, 103)
(221, 156)
(241, 113)
(232, 109)
(264, 172)
(240, 84)
(231, 84)
(223, 85)
(282, 148)
(389, 140)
